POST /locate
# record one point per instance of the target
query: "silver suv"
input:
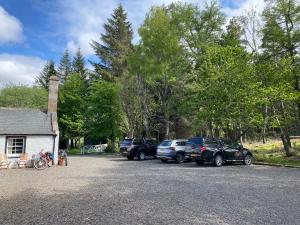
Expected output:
(172, 150)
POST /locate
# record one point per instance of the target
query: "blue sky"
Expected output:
(34, 31)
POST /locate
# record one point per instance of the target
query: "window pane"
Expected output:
(15, 145)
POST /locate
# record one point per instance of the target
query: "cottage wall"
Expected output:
(2, 144)
(34, 144)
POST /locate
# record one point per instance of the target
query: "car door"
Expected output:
(151, 147)
(232, 152)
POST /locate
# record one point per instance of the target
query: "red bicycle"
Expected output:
(42, 160)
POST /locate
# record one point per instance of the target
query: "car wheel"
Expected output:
(179, 157)
(199, 162)
(141, 155)
(247, 160)
(164, 160)
(130, 157)
(218, 160)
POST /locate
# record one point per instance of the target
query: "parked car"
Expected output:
(192, 144)
(216, 152)
(172, 150)
(140, 148)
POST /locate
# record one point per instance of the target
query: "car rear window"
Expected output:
(137, 141)
(126, 142)
(211, 142)
(166, 143)
(153, 142)
(196, 140)
(180, 143)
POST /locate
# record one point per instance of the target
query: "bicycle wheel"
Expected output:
(40, 164)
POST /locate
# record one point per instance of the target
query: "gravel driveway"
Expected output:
(112, 190)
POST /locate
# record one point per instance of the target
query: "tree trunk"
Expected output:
(286, 146)
(144, 107)
(265, 125)
(167, 129)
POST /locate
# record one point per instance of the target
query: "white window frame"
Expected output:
(12, 152)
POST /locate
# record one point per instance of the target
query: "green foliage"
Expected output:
(104, 114)
(48, 71)
(65, 67)
(23, 97)
(281, 33)
(78, 64)
(71, 107)
(115, 46)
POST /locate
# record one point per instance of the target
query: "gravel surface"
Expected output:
(112, 190)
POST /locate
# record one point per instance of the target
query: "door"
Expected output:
(150, 147)
(233, 153)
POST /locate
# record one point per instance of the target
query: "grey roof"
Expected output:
(15, 121)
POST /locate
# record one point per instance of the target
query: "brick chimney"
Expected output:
(53, 94)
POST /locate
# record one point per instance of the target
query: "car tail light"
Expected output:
(172, 148)
(203, 148)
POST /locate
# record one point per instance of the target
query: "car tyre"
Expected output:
(130, 157)
(141, 155)
(179, 157)
(218, 160)
(247, 160)
(164, 160)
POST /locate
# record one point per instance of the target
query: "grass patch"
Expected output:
(272, 152)
(77, 151)
(74, 151)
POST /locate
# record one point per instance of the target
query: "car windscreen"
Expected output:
(126, 142)
(196, 141)
(165, 143)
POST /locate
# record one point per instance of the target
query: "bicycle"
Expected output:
(42, 160)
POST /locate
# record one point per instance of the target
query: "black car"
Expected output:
(140, 148)
(217, 152)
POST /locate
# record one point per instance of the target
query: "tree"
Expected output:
(116, 46)
(48, 70)
(65, 67)
(233, 35)
(78, 64)
(23, 97)
(160, 59)
(281, 35)
(104, 114)
(71, 107)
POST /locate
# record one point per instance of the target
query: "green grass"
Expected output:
(272, 152)
(76, 151)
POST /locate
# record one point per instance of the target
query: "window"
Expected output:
(138, 142)
(180, 143)
(126, 142)
(165, 143)
(15, 146)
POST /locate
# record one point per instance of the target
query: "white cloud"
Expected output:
(19, 69)
(10, 28)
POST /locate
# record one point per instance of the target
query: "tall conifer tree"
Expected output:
(114, 47)
(48, 70)
(78, 64)
(65, 67)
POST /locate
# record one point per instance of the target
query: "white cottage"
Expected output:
(30, 130)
